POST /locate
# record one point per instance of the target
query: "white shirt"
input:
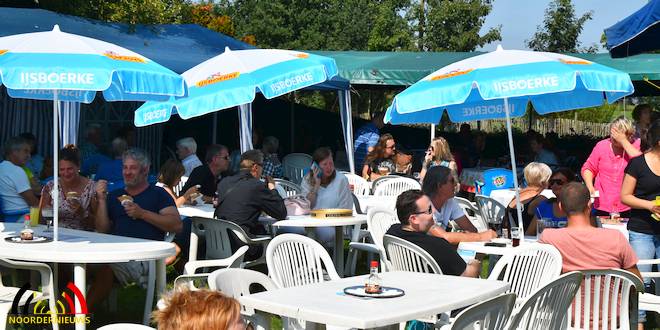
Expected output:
(13, 181)
(448, 212)
(189, 163)
(336, 195)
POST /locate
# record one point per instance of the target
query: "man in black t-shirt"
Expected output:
(207, 175)
(415, 213)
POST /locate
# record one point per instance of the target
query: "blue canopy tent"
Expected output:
(160, 43)
(637, 33)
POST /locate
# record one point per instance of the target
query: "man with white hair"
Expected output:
(186, 149)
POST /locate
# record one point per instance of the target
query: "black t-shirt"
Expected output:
(647, 188)
(384, 163)
(443, 252)
(202, 176)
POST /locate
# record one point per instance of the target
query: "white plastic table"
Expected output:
(309, 223)
(425, 294)
(80, 248)
(201, 210)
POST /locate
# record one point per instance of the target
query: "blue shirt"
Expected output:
(367, 136)
(544, 210)
(110, 171)
(151, 199)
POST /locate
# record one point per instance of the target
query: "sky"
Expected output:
(520, 18)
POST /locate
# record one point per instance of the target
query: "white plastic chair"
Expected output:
(294, 166)
(546, 307)
(379, 220)
(492, 314)
(472, 213)
(290, 188)
(125, 326)
(491, 211)
(218, 247)
(7, 293)
(295, 260)
(615, 292)
(236, 282)
(361, 187)
(528, 267)
(177, 189)
(395, 186)
(650, 301)
(409, 257)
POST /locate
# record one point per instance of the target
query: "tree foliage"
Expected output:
(561, 29)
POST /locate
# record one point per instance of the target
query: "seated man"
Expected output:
(207, 176)
(186, 149)
(439, 186)
(415, 213)
(583, 246)
(242, 197)
(16, 194)
(138, 210)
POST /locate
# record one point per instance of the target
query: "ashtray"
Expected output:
(386, 292)
(35, 239)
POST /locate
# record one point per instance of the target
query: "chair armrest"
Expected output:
(259, 239)
(368, 247)
(189, 279)
(648, 262)
(234, 261)
(44, 270)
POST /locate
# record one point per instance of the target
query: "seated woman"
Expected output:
(78, 195)
(326, 189)
(380, 161)
(202, 309)
(169, 177)
(549, 209)
(537, 176)
(439, 154)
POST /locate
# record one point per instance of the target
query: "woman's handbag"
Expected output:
(297, 205)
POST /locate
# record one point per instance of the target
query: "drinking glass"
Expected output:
(541, 224)
(515, 236)
(47, 213)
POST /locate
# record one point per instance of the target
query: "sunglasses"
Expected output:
(558, 182)
(429, 211)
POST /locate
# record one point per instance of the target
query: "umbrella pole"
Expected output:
(55, 192)
(515, 171)
(432, 132)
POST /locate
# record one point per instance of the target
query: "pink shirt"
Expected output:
(590, 248)
(608, 169)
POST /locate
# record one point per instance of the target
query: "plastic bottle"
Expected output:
(373, 285)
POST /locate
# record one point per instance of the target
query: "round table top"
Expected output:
(78, 246)
(309, 221)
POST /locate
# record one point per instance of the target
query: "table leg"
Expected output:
(339, 250)
(160, 277)
(80, 282)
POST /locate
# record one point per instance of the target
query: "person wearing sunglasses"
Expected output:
(549, 209)
(415, 212)
(380, 161)
(439, 154)
(207, 176)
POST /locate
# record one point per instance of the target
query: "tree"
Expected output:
(445, 25)
(124, 11)
(560, 30)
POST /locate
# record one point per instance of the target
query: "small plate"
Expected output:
(387, 292)
(36, 239)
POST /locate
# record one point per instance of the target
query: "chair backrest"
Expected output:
(495, 178)
(216, 234)
(604, 297)
(395, 186)
(379, 220)
(295, 260)
(380, 180)
(290, 188)
(490, 209)
(236, 282)
(546, 307)
(472, 213)
(528, 267)
(361, 186)
(177, 189)
(491, 314)
(406, 256)
(294, 166)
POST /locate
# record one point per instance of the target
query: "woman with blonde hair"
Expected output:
(537, 176)
(439, 154)
(202, 309)
(603, 171)
(380, 161)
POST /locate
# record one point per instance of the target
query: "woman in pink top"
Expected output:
(606, 164)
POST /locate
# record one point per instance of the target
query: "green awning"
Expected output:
(406, 68)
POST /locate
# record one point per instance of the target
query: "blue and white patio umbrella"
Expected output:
(60, 66)
(234, 77)
(501, 83)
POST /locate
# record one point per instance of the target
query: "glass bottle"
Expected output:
(373, 285)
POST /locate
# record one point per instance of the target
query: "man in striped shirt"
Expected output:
(366, 138)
